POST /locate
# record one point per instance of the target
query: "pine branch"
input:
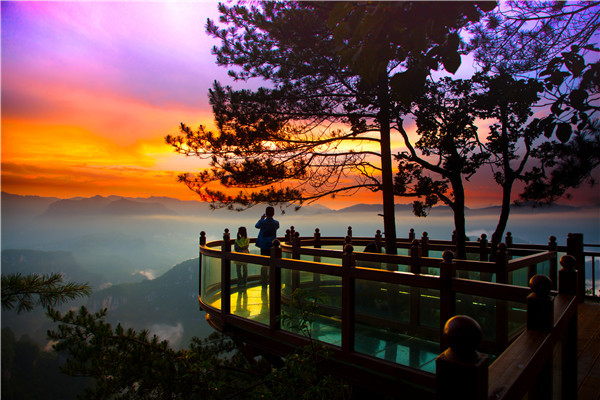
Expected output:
(24, 292)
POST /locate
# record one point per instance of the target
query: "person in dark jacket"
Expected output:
(268, 232)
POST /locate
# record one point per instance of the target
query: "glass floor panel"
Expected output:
(252, 303)
(396, 347)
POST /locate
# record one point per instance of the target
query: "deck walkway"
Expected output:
(588, 354)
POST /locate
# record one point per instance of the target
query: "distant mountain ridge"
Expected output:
(105, 206)
(162, 205)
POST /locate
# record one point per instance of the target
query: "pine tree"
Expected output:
(339, 77)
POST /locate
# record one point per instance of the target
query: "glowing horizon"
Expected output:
(90, 90)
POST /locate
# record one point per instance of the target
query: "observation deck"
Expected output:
(387, 320)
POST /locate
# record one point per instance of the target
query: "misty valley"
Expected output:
(140, 255)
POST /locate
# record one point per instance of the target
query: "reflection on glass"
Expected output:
(395, 346)
(312, 310)
(211, 281)
(506, 318)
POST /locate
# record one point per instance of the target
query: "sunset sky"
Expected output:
(90, 89)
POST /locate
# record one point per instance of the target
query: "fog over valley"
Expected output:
(140, 254)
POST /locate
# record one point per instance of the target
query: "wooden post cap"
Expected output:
(540, 285)
(464, 335)
(348, 248)
(448, 256)
(568, 262)
(540, 305)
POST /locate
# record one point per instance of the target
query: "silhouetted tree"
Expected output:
(555, 44)
(564, 166)
(340, 76)
(513, 135)
(129, 364)
(446, 151)
(525, 36)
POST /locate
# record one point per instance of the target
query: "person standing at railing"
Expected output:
(268, 232)
(241, 246)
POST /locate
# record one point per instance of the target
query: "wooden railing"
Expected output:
(528, 352)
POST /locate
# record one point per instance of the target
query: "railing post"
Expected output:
(347, 240)
(461, 371)
(575, 249)
(288, 236)
(201, 242)
(425, 245)
(415, 292)
(378, 240)
(567, 276)
(295, 256)
(567, 284)
(411, 235)
(447, 295)
(483, 251)
(226, 275)
(348, 301)
(414, 254)
(349, 233)
(553, 268)
(508, 239)
(501, 261)
(540, 305)
(275, 286)
(540, 317)
(296, 246)
(485, 255)
(317, 245)
(317, 236)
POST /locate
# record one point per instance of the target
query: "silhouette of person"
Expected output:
(268, 232)
(241, 246)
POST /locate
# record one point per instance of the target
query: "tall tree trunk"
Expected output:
(459, 217)
(504, 212)
(509, 178)
(387, 177)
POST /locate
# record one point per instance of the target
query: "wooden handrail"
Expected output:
(531, 259)
(530, 351)
(513, 372)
